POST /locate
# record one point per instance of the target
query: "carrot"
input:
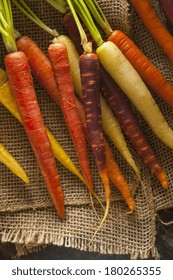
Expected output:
(89, 68)
(7, 100)
(40, 66)
(21, 83)
(130, 125)
(148, 72)
(113, 170)
(90, 81)
(154, 25)
(167, 8)
(60, 65)
(9, 161)
(117, 178)
(109, 123)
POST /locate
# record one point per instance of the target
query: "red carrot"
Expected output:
(60, 65)
(154, 25)
(21, 83)
(148, 72)
(40, 66)
(130, 125)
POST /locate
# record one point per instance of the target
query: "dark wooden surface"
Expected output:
(164, 244)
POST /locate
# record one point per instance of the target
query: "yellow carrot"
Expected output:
(7, 100)
(9, 161)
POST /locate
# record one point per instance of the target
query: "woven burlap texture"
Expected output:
(27, 217)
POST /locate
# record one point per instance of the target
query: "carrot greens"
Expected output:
(32, 16)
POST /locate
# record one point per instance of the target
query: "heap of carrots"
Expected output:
(116, 69)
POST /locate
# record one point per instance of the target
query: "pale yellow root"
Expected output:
(101, 223)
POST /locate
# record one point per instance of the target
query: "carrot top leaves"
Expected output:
(6, 25)
(32, 16)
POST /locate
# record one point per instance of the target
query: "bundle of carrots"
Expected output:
(116, 69)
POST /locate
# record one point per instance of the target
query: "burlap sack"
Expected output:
(27, 216)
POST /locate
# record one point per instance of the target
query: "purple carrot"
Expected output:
(130, 125)
(89, 68)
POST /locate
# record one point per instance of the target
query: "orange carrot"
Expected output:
(154, 25)
(21, 83)
(113, 170)
(117, 178)
(60, 65)
(40, 65)
(148, 72)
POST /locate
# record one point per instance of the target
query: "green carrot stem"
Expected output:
(87, 46)
(59, 5)
(6, 26)
(99, 16)
(26, 10)
(85, 15)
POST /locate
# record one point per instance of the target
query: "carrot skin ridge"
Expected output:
(60, 65)
(154, 25)
(40, 66)
(148, 72)
(21, 83)
(123, 111)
